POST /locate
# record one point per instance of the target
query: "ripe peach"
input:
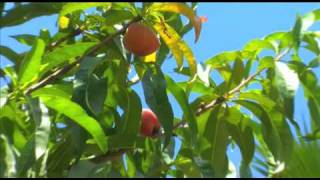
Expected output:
(140, 40)
(150, 125)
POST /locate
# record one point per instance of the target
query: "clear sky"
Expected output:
(229, 27)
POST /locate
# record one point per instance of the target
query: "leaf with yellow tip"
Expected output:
(181, 9)
(172, 39)
(178, 47)
(151, 58)
(63, 22)
(189, 56)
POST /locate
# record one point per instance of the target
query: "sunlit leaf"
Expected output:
(216, 132)
(64, 54)
(182, 99)
(172, 39)
(8, 157)
(151, 58)
(310, 19)
(76, 113)
(221, 59)
(72, 7)
(287, 83)
(40, 115)
(270, 134)
(30, 66)
(241, 132)
(182, 9)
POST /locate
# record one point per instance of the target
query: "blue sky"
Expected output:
(229, 27)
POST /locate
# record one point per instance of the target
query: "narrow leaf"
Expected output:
(30, 66)
(77, 114)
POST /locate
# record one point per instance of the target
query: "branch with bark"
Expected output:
(52, 77)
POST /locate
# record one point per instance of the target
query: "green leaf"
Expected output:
(240, 131)
(132, 114)
(297, 33)
(30, 66)
(304, 161)
(245, 171)
(64, 54)
(182, 99)
(96, 92)
(314, 110)
(8, 157)
(45, 35)
(269, 132)
(154, 88)
(10, 54)
(257, 45)
(223, 58)
(40, 115)
(237, 74)
(76, 113)
(123, 141)
(312, 43)
(309, 19)
(131, 169)
(217, 134)
(198, 87)
(266, 62)
(287, 83)
(257, 96)
(83, 79)
(26, 39)
(113, 17)
(187, 166)
(315, 62)
(57, 89)
(26, 159)
(22, 13)
(72, 7)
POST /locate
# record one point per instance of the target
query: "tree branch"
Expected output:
(66, 68)
(219, 100)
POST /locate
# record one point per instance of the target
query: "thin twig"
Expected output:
(66, 68)
(74, 33)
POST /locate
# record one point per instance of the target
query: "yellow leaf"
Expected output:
(178, 47)
(190, 57)
(151, 58)
(182, 9)
(171, 38)
(63, 22)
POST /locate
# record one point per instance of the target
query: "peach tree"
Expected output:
(69, 109)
